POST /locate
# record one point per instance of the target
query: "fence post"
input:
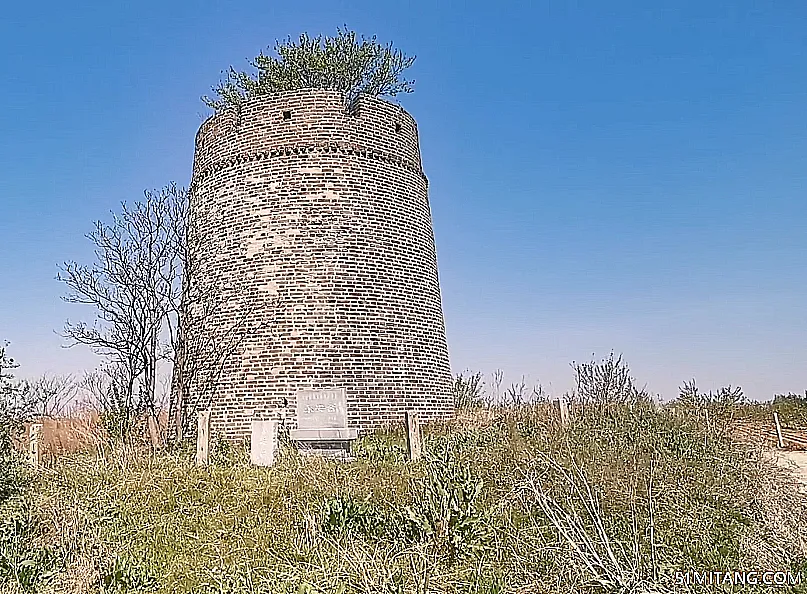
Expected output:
(414, 441)
(34, 439)
(563, 407)
(779, 439)
(154, 431)
(263, 443)
(203, 437)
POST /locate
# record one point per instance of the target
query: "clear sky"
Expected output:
(604, 175)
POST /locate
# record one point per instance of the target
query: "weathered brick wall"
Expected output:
(313, 232)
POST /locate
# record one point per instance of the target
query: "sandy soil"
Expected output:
(796, 462)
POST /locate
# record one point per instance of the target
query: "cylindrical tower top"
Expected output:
(317, 117)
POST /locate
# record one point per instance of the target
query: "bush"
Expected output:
(725, 398)
(615, 501)
(346, 515)
(792, 408)
(122, 575)
(23, 562)
(12, 475)
(607, 382)
(468, 390)
(12, 472)
(446, 512)
(343, 63)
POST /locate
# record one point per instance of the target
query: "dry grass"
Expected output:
(81, 432)
(508, 501)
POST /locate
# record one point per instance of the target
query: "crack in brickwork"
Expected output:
(322, 219)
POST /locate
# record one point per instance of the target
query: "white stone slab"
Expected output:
(322, 409)
(323, 434)
(263, 443)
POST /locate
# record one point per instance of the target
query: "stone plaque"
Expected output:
(322, 409)
(263, 443)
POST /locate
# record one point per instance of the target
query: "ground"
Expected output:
(796, 462)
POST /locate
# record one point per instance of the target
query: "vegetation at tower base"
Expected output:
(346, 63)
(507, 500)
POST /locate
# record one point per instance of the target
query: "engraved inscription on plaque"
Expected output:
(322, 409)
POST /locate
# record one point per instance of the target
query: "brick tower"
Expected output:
(315, 262)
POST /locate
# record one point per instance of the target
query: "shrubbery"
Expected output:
(12, 475)
(25, 564)
(611, 502)
(346, 63)
(512, 500)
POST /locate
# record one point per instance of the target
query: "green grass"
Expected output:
(617, 501)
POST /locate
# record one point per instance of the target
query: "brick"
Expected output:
(316, 253)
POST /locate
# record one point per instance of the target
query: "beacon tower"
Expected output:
(314, 263)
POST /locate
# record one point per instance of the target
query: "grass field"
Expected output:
(506, 500)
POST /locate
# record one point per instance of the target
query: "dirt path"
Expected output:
(796, 462)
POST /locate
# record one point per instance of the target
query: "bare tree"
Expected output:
(202, 354)
(155, 290)
(27, 400)
(49, 396)
(106, 389)
(135, 287)
(603, 384)
(201, 346)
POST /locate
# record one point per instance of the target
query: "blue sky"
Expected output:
(603, 175)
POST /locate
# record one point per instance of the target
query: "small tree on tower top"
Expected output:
(347, 63)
